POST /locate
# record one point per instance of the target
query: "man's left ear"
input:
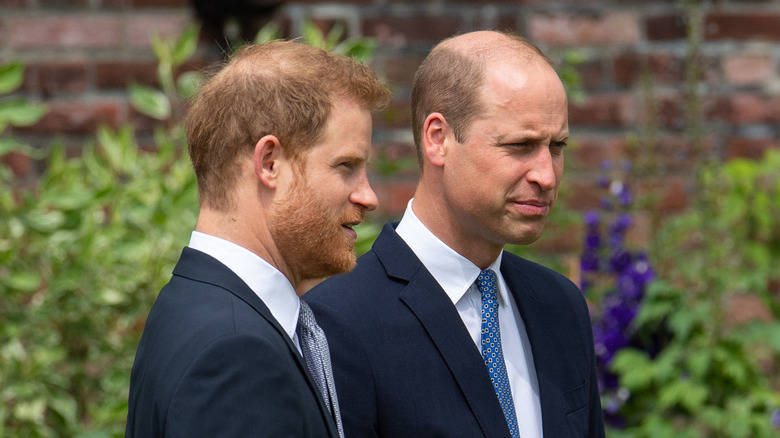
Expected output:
(267, 157)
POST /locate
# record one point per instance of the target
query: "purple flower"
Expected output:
(775, 418)
(619, 260)
(624, 198)
(629, 288)
(589, 262)
(621, 224)
(591, 219)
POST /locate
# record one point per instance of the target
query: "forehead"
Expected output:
(523, 90)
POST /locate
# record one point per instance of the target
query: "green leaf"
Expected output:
(22, 281)
(186, 44)
(269, 32)
(634, 367)
(313, 36)
(362, 50)
(188, 84)
(335, 34)
(44, 222)
(161, 49)
(11, 76)
(151, 102)
(20, 113)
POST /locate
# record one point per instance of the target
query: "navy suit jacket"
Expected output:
(405, 365)
(213, 362)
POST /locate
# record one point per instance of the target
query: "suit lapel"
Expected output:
(536, 317)
(435, 311)
(201, 267)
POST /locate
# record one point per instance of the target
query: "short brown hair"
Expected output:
(281, 88)
(449, 82)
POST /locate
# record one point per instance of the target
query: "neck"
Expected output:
(252, 235)
(433, 212)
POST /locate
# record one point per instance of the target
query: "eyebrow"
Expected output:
(528, 135)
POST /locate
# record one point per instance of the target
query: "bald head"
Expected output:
(450, 78)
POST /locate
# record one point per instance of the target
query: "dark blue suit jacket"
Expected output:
(405, 365)
(213, 362)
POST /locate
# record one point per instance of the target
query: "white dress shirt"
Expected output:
(457, 276)
(273, 288)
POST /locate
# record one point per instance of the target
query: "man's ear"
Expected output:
(267, 157)
(434, 134)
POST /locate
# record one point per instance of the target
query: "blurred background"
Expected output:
(668, 217)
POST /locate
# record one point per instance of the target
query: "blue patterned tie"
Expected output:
(491, 348)
(314, 346)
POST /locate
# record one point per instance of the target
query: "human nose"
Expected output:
(543, 170)
(364, 195)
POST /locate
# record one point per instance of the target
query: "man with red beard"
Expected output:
(279, 140)
(438, 332)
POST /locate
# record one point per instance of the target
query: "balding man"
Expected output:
(279, 141)
(438, 332)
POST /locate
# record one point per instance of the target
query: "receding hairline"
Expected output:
(487, 46)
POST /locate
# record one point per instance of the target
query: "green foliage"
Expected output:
(362, 49)
(82, 256)
(711, 376)
(161, 104)
(15, 111)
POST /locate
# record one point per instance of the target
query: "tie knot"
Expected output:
(486, 283)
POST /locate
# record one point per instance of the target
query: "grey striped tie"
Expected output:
(315, 350)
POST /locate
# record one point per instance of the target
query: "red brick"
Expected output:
(663, 68)
(53, 78)
(141, 123)
(141, 27)
(585, 194)
(393, 196)
(587, 152)
(615, 28)
(671, 111)
(20, 164)
(396, 32)
(365, 2)
(120, 74)
(757, 26)
(666, 27)
(397, 115)
(754, 148)
(66, 31)
(668, 154)
(747, 69)
(64, 4)
(558, 239)
(744, 108)
(591, 73)
(77, 116)
(671, 193)
(14, 3)
(399, 69)
(605, 110)
(159, 3)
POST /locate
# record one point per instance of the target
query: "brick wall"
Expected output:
(81, 54)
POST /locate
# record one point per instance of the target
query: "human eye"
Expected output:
(557, 146)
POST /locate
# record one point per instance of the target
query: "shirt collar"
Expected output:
(267, 282)
(454, 273)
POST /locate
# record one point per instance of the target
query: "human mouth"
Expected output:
(532, 207)
(347, 227)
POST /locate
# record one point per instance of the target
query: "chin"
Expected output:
(333, 265)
